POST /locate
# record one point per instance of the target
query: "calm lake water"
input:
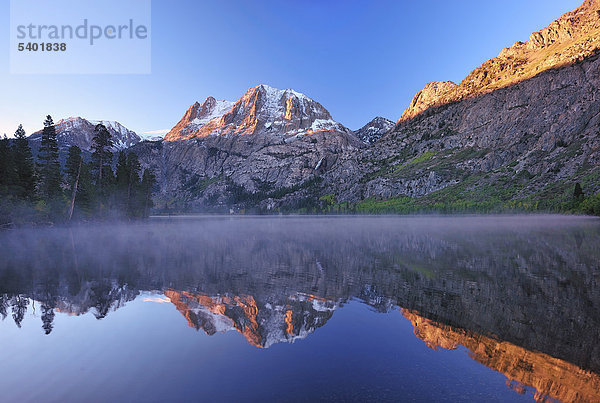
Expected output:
(302, 309)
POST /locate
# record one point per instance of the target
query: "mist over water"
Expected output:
(359, 293)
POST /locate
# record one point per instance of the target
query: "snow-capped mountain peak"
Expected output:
(262, 110)
(197, 116)
(80, 132)
(374, 130)
(210, 109)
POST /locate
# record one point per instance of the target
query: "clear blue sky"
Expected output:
(359, 59)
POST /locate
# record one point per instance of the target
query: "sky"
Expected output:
(359, 59)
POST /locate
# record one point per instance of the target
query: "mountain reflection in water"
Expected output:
(521, 294)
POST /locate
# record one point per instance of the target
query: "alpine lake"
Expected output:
(301, 308)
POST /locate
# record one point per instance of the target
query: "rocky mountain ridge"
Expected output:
(570, 39)
(374, 130)
(197, 116)
(262, 110)
(77, 131)
(262, 323)
(269, 142)
(537, 137)
(551, 377)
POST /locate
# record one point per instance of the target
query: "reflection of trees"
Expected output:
(4, 306)
(513, 283)
(47, 318)
(19, 305)
(101, 297)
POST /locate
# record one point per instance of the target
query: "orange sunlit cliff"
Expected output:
(261, 323)
(550, 376)
(571, 38)
(219, 306)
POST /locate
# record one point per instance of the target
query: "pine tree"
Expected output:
(49, 166)
(86, 192)
(24, 166)
(19, 306)
(147, 187)
(578, 195)
(79, 180)
(102, 156)
(7, 168)
(122, 170)
(133, 184)
(72, 165)
(47, 318)
(3, 306)
(122, 182)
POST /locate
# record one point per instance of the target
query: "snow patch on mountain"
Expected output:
(77, 131)
(122, 137)
(324, 124)
(374, 130)
(220, 108)
(261, 110)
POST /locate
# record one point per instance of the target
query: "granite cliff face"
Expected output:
(430, 95)
(197, 116)
(525, 138)
(265, 145)
(570, 39)
(522, 127)
(262, 323)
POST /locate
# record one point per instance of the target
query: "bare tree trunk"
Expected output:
(75, 189)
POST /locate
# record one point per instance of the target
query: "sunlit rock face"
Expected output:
(77, 131)
(571, 38)
(551, 377)
(223, 153)
(429, 96)
(523, 138)
(197, 116)
(261, 323)
(527, 119)
(261, 110)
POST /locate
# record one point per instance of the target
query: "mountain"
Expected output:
(261, 323)
(517, 133)
(570, 39)
(429, 96)
(197, 116)
(374, 130)
(267, 144)
(261, 110)
(77, 131)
